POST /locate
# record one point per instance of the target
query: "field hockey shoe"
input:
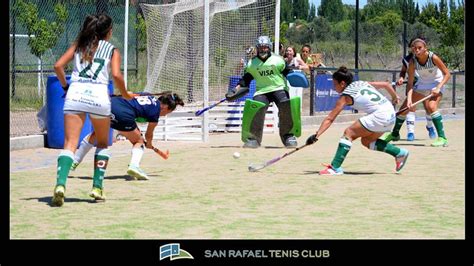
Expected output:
(97, 193)
(431, 132)
(137, 173)
(58, 196)
(410, 136)
(389, 137)
(290, 142)
(74, 165)
(331, 170)
(440, 142)
(251, 143)
(401, 159)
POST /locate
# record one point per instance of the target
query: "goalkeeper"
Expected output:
(269, 71)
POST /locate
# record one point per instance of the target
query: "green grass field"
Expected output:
(201, 191)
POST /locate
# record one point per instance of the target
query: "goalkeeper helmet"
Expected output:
(264, 42)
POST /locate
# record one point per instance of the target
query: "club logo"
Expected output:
(174, 252)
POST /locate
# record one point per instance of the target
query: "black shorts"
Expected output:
(274, 96)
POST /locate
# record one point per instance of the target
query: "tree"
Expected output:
(42, 35)
(409, 9)
(427, 13)
(390, 20)
(301, 9)
(322, 29)
(378, 8)
(300, 33)
(45, 34)
(286, 11)
(140, 27)
(331, 9)
(312, 13)
(349, 12)
(283, 30)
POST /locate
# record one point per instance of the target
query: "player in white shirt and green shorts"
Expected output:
(380, 118)
(432, 75)
(94, 57)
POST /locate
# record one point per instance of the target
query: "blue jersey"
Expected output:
(145, 106)
(126, 111)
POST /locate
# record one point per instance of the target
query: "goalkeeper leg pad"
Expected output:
(289, 114)
(253, 120)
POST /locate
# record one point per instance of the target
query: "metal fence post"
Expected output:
(454, 91)
(13, 52)
(311, 91)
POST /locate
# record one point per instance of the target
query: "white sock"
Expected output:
(411, 122)
(137, 154)
(429, 120)
(84, 148)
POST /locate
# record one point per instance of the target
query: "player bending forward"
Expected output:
(380, 118)
(124, 113)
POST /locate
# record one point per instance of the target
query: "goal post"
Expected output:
(181, 60)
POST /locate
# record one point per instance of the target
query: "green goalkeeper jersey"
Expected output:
(268, 75)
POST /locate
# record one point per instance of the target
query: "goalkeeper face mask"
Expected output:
(264, 47)
(263, 51)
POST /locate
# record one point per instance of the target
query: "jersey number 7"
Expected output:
(100, 62)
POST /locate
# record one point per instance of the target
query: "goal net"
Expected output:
(175, 44)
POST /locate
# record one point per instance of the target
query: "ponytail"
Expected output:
(172, 100)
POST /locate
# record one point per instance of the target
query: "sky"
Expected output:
(421, 3)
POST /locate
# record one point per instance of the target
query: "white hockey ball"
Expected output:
(236, 155)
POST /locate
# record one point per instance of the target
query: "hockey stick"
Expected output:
(256, 167)
(164, 155)
(145, 94)
(199, 112)
(419, 101)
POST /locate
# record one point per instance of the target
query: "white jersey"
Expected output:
(429, 75)
(365, 97)
(96, 72)
(294, 62)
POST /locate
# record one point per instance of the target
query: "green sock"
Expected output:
(101, 158)
(438, 123)
(65, 159)
(398, 124)
(381, 145)
(342, 150)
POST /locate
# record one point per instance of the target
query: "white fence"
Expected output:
(182, 124)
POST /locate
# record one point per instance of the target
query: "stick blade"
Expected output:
(256, 167)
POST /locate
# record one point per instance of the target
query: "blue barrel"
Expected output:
(234, 81)
(55, 115)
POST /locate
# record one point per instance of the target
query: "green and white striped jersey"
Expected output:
(429, 75)
(365, 97)
(98, 70)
